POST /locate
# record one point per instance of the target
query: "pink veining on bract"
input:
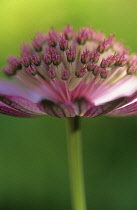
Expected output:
(68, 73)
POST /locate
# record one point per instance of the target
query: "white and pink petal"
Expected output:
(5, 109)
(105, 108)
(128, 109)
(17, 101)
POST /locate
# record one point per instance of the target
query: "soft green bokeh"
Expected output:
(33, 152)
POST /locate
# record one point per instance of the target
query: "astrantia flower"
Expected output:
(68, 74)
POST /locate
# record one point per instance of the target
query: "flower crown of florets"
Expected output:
(90, 51)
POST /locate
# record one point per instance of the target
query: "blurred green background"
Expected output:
(33, 152)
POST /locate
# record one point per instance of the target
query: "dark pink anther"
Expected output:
(71, 54)
(37, 45)
(101, 48)
(121, 60)
(90, 34)
(90, 66)
(47, 59)
(106, 44)
(104, 73)
(104, 63)
(95, 56)
(51, 72)
(52, 39)
(131, 69)
(56, 59)
(50, 50)
(112, 60)
(68, 32)
(25, 62)
(35, 59)
(9, 71)
(26, 50)
(32, 70)
(96, 70)
(80, 72)
(82, 36)
(14, 62)
(132, 60)
(85, 57)
(65, 75)
(63, 43)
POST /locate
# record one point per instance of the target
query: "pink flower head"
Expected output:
(68, 74)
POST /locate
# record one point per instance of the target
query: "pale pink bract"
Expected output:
(68, 74)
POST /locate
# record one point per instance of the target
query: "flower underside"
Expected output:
(68, 73)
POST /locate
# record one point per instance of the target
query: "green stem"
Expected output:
(76, 164)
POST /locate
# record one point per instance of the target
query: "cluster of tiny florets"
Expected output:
(69, 54)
